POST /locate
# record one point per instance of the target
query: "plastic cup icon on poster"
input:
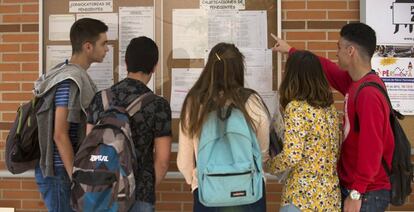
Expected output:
(403, 14)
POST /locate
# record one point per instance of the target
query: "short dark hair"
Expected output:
(304, 80)
(362, 35)
(85, 30)
(141, 55)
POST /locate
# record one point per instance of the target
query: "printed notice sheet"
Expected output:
(270, 99)
(189, 33)
(91, 6)
(223, 5)
(220, 27)
(101, 73)
(133, 22)
(59, 27)
(251, 29)
(258, 75)
(110, 19)
(246, 29)
(56, 54)
(195, 30)
(182, 81)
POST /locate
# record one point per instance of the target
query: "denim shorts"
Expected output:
(55, 190)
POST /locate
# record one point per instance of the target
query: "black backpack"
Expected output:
(401, 173)
(22, 143)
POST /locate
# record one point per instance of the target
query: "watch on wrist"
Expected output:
(355, 195)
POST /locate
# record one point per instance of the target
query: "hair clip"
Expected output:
(218, 57)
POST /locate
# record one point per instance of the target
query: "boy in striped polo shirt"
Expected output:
(67, 91)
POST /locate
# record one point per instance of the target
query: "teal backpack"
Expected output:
(229, 162)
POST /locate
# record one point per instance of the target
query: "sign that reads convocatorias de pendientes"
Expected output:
(90, 6)
(223, 4)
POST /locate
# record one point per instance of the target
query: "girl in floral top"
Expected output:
(311, 139)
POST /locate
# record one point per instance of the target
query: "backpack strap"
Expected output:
(384, 92)
(393, 113)
(106, 98)
(363, 85)
(379, 87)
(139, 102)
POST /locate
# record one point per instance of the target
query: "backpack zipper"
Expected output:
(234, 174)
(252, 184)
(229, 174)
(19, 125)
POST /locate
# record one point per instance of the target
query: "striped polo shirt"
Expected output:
(62, 100)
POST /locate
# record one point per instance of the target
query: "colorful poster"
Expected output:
(393, 20)
(397, 72)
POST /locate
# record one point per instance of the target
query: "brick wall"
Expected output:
(306, 24)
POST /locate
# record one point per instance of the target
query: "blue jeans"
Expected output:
(140, 206)
(372, 201)
(55, 190)
(259, 206)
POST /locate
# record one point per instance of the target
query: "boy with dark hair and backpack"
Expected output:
(368, 152)
(66, 91)
(150, 126)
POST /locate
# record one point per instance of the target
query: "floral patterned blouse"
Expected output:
(310, 151)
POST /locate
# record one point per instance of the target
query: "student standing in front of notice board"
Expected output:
(216, 111)
(365, 184)
(311, 139)
(67, 91)
(150, 126)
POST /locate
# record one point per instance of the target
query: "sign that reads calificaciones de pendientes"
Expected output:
(223, 4)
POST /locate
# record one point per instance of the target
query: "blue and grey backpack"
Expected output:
(103, 172)
(229, 162)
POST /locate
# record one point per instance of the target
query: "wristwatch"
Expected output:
(355, 195)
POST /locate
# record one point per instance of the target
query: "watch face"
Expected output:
(355, 195)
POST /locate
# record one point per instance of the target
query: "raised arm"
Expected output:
(338, 78)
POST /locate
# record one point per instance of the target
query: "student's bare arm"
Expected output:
(62, 140)
(162, 151)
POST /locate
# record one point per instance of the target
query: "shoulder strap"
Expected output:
(363, 85)
(106, 98)
(393, 113)
(384, 92)
(139, 102)
(378, 86)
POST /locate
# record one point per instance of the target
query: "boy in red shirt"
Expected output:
(364, 182)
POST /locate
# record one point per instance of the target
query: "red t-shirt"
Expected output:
(360, 165)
